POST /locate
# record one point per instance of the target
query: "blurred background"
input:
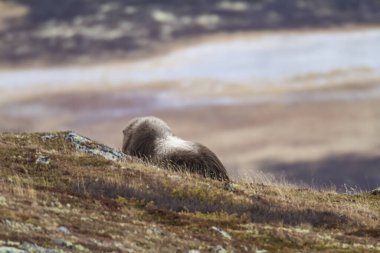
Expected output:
(289, 89)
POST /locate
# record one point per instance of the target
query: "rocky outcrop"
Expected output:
(91, 147)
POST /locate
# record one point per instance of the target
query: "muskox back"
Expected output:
(151, 139)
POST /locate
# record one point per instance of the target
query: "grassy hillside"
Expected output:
(60, 192)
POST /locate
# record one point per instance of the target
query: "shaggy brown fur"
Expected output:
(151, 139)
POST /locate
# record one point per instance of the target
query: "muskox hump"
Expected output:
(204, 162)
(151, 139)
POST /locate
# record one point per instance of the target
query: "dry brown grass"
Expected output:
(170, 210)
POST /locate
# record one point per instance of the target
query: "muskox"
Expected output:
(152, 140)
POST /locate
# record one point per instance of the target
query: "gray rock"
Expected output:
(46, 137)
(222, 232)
(88, 146)
(43, 160)
(63, 243)
(63, 230)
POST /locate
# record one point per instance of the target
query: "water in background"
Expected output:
(251, 60)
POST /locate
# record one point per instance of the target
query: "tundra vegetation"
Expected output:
(61, 192)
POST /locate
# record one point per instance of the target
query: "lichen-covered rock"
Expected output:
(88, 146)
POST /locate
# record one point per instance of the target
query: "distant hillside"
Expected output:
(61, 192)
(60, 31)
